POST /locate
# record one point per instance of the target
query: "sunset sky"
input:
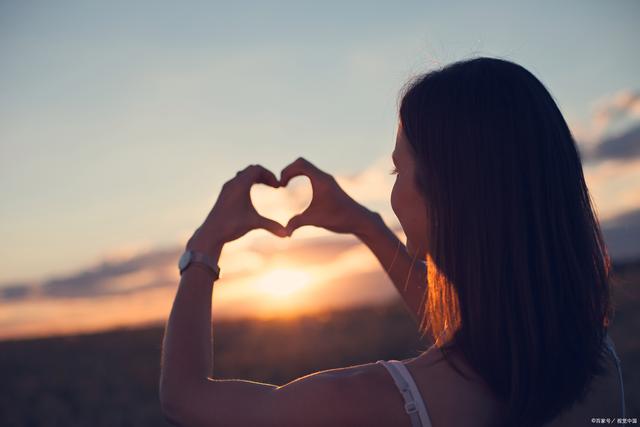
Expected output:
(119, 123)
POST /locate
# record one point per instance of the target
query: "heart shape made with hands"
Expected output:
(281, 204)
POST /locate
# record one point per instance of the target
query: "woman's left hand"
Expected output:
(233, 214)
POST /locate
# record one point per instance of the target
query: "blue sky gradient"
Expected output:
(119, 122)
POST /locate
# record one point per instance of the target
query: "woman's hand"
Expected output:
(233, 214)
(330, 208)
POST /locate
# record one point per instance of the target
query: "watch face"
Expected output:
(184, 259)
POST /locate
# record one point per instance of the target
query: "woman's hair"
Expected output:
(518, 272)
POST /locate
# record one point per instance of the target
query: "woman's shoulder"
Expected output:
(374, 398)
(363, 394)
(445, 391)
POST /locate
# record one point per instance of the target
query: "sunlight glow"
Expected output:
(282, 282)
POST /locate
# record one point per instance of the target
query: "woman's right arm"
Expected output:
(334, 210)
(408, 274)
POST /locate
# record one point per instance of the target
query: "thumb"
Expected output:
(272, 226)
(295, 222)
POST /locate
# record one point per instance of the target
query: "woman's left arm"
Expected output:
(189, 396)
(187, 356)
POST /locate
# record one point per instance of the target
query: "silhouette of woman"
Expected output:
(514, 286)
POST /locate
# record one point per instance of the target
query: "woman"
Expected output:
(514, 286)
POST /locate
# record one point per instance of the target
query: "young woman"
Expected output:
(513, 285)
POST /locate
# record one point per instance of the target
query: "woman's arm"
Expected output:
(187, 355)
(408, 274)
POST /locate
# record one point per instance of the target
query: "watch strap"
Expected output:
(206, 260)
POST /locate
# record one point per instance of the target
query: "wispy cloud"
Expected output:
(110, 277)
(614, 185)
(622, 146)
(610, 147)
(612, 129)
(622, 234)
(620, 106)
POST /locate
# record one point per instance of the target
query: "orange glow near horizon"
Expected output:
(280, 285)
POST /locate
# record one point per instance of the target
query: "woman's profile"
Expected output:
(514, 284)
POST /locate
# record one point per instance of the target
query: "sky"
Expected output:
(119, 123)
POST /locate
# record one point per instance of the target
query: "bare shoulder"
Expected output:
(355, 395)
(445, 391)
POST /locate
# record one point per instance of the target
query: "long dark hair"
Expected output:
(518, 272)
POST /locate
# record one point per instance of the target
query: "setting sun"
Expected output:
(282, 282)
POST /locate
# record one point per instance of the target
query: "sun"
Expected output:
(282, 282)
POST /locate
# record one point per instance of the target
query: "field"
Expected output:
(111, 378)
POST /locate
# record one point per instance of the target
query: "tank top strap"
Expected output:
(414, 405)
(608, 342)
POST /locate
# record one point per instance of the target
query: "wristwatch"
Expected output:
(190, 256)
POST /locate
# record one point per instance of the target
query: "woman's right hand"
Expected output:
(330, 208)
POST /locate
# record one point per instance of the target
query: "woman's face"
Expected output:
(407, 202)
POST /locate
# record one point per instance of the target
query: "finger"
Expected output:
(272, 226)
(296, 222)
(298, 167)
(259, 174)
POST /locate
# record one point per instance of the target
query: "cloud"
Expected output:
(614, 185)
(610, 149)
(612, 129)
(110, 277)
(621, 105)
(99, 280)
(372, 185)
(623, 146)
(622, 234)
(17, 291)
